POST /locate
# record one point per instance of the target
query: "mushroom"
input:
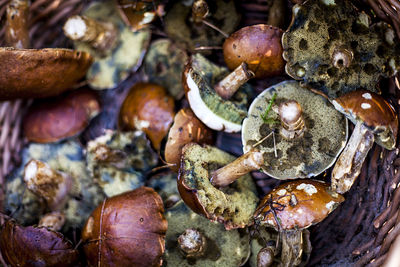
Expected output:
(35, 246)
(200, 23)
(163, 64)
(192, 240)
(286, 135)
(148, 108)
(233, 206)
(186, 129)
(126, 230)
(375, 120)
(292, 207)
(336, 55)
(16, 28)
(252, 51)
(218, 114)
(138, 14)
(52, 120)
(117, 50)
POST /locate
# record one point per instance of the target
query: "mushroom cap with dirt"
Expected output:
(198, 80)
(192, 240)
(332, 47)
(126, 230)
(233, 205)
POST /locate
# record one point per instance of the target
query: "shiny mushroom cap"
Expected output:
(297, 204)
(375, 113)
(39, 73)
(259, 46)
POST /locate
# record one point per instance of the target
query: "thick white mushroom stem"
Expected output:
(53, 221)
(47, 183)
(101, 36)
(348, 166)
(290, 113)
(250, 161)
(199, 11)
(228, 86)
(192, 243)
(17, 31)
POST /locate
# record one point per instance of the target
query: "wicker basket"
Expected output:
(360, 232)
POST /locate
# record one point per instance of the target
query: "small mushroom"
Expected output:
(375, 120)
(286, 135)
(292, 207)
(138, 14)
(199, 77)
(117, 50)
(148, 108)
(126, 230)
(186, 129)
(52, 120)
(233, 206)
(192, 240)
(36, 246)
(332, 47)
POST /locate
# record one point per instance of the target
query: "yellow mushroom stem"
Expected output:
(228, 86)
(101, 36)
(290, 114)
(348, 166)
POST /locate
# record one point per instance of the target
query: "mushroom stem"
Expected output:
(192, 243)
(292, 247)
(231, 83)
(342, 57)
(17, 32)
(348, 166)
(251, 161)
(199, 11)
(265, 257)
(53, 221)
(290, 113)
(47, 183)
(102, 36)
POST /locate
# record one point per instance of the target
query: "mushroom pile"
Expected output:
(125, 164)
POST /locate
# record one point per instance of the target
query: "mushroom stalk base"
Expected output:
(228, 86)
(250, 161)
(348, 166)
(295, 244)
(290, 113)
(17, 32)
(192, 243)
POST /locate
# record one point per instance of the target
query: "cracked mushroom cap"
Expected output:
(221, 247)
(126, 230)
(308, 155)
(51, 120)
(36, 246)
(199, 77)
(259, 46)
(232, 205)
(333, 48)
(148, 108)
(298, 204)
(374, 111)
(39, 73)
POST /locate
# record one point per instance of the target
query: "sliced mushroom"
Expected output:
(233, 206)
(375, 120)
(117, 50)
(199, 77)
(337, 55)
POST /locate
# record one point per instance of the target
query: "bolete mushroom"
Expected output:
(53, 120)
(192, 240)
(148, 108)
(186, 129)
(126, 230)
(117, 50)
(332, 47)
(292, 207)
(233, 206)
(375, 120)
(199, 77)
(286, 135)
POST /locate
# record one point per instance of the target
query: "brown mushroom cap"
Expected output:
(298, 204)
(137, 14)
(126, 230)
(147, 107)
(186, 128)
(374, 111)
(51, 120)
(33, 73)
(257, 45)
(35, 246)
